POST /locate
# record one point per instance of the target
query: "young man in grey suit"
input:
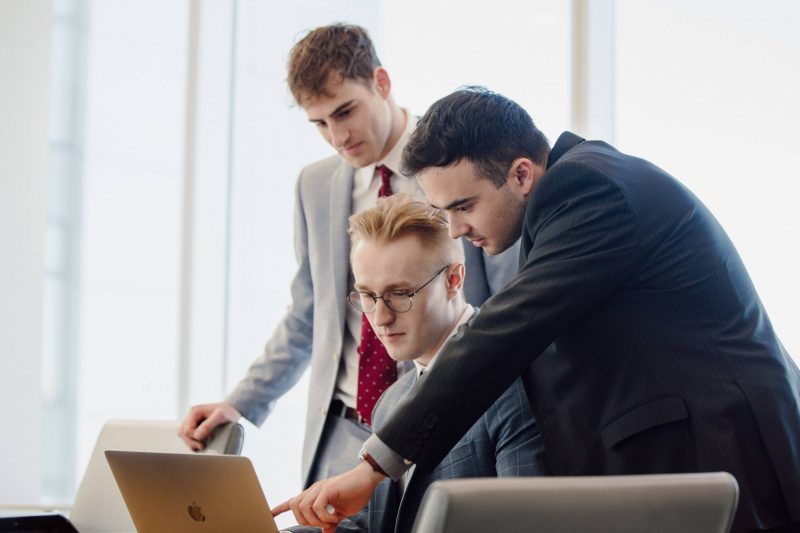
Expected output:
(336, 78)
(665, 361)
(408, 280)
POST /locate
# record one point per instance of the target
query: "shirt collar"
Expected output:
(468, 312)
(392, 159)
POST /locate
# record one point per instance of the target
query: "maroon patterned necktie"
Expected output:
(376, 370)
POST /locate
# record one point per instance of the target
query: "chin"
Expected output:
(401, 357)
(495, 249)
(360, 161)
(492, 249)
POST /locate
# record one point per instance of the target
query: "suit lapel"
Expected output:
(387, 496)
(401, 501)
(341, 200)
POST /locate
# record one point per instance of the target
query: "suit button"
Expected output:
(434, 417)
(429, 424)
(426, 434)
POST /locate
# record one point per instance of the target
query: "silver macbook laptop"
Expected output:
(98, 506)
(654, 503)
(188, 493)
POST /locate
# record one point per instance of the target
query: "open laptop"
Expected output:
(43, 523)
(654, 503)
(98, 506)
(187, 493)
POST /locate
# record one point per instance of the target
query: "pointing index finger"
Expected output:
(281, 508)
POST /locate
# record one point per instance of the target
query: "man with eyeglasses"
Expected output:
(408, 281)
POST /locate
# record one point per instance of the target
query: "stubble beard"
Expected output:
(512, 224)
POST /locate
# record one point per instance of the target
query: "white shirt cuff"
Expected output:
(389, 461)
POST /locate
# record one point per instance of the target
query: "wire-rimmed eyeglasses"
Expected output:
(397, 301)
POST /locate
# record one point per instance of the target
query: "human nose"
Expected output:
(383, 315)
(458, 227)
(339, 135)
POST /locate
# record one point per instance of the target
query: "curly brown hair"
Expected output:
(343, 49)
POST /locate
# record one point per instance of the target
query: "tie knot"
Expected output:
(386, 185)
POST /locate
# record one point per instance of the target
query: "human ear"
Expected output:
(455, 279)
(382, 82)
(522, 175)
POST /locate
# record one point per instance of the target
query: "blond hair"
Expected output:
(402, 215)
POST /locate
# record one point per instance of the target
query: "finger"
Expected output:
(204, 430)
(186, 429)
(191, 443)
(305, 505)
(325, 511)
(304, 510)
(281, 508)
(299, 517)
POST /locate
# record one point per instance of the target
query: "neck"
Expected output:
(458, 307)
(398, 121)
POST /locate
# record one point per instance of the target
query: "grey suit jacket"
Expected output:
(504, 442)
(312, 330)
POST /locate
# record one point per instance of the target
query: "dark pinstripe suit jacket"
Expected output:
(666, 360)
(503, 442)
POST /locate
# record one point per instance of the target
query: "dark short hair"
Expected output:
(342, 49)
(477, 125)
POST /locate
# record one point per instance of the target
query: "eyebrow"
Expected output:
(403, 285)
(335, 111)
(454, 203)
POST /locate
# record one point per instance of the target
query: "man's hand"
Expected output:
(201, 421)
(326, 503)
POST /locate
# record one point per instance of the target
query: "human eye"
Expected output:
(396, 295)
(464, 208)
(344, 113)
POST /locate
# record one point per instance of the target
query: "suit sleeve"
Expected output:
(584, 244)
(519, 450)
(288, 352)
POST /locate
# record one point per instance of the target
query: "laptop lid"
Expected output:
(99, 506)
(44, 523)
(189, 492)
(660, 503)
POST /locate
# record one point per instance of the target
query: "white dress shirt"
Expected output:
(366, 184)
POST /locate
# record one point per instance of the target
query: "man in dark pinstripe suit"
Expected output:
(665, 361)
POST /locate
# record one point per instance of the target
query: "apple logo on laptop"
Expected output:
(196, 513)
